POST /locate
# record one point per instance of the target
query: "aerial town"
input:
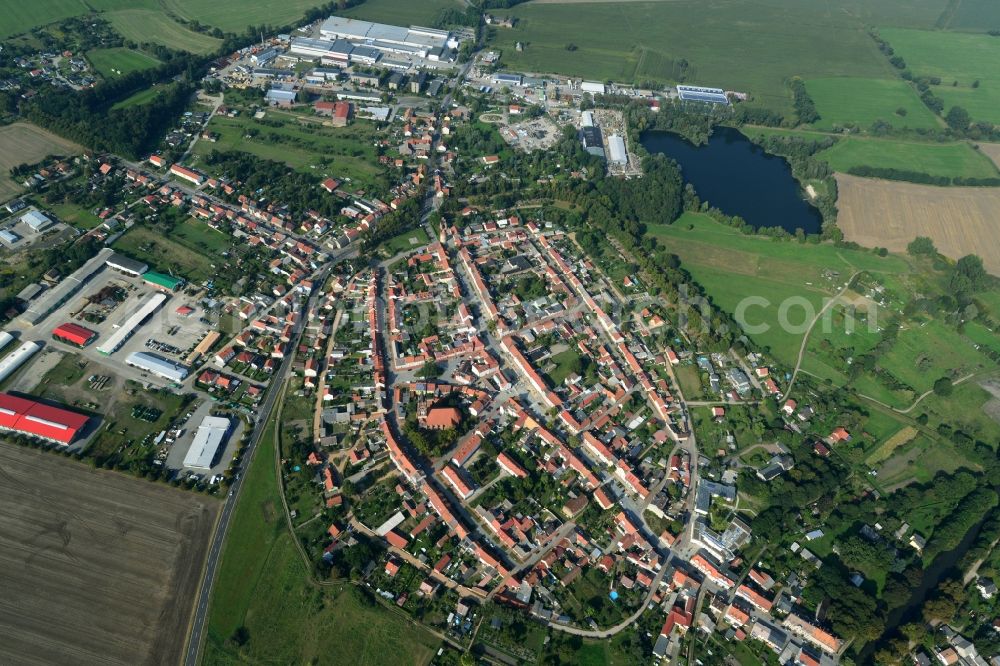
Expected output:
(370, 330)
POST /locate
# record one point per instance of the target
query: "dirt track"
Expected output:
(95, 567)
(882, 213)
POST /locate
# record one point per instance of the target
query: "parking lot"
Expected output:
(104, 303)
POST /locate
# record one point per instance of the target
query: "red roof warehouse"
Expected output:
(38, 420)
(74, 334)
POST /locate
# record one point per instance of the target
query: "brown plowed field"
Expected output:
(883, 213)
(24, 143)
(95, 567)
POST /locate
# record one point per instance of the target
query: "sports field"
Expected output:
(960, 220)
(97, 567)
(168, 255)
(956, 58)
(752, 46)
(152, 25)
(854, 101)
(24, 143)
(115, 62)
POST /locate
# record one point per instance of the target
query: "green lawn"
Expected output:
(139, 98)
(955, 57)
(115, 62)
(165, 255)
(407, 240)
(152, 25)
(263, 585)
(343, 151)
(402, 12)
(936, 159)
(855, 101)
(753, 46)
(80, 218)
(232, 16)
(21, 17)
(202, 238)
(791, 278)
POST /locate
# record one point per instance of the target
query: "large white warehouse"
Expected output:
(210, 436)
(129, 326)
(414, 40)
(158, 366)
(16, 358)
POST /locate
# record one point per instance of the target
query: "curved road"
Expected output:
(805, 338)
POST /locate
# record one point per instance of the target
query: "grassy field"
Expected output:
(406, 241)
(752, 46)
(262, 585)
(402, 12)
(733, 267)
(236, 16)
(165, 254)
(955, 58)
(936, 159)
(970, 15)
(141, 97)
(957, 158)
(24, 143)
(111, 63)
(878, 213)
(343, 151)
(21, 17)
(854, 101)
(151, 25)
(98, 567)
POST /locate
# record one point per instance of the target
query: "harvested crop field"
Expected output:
(882, 213)
(992, 151)
(24, 143)
(95, 567)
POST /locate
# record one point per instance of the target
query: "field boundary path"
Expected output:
(805, 338)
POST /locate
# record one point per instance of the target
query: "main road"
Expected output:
(196, 636)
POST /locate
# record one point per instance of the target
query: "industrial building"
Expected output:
(593, 143)
(29, 417)
(5, 339)
(157, 365)
(126, 265)
(504, 79)
(279, 97)
(63, 291)
(415, 41)
(161, 281)
(15, 359)
(74, 334)
(593, 87)
(699, 94)
(36, 221)
(208, 439)
(616, 150)
(129, 326)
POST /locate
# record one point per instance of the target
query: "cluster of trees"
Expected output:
(889, 173)
(969, 511)
(88, 119)
(805, 108)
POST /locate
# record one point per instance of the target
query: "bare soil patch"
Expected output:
(992, 151)
(95, 567)
(960, 220)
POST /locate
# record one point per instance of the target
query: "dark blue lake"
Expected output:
(739, 178)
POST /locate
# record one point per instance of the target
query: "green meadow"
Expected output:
(966, 64)
(119, 61)
(861, 102)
